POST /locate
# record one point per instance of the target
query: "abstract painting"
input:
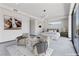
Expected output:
(12, 23)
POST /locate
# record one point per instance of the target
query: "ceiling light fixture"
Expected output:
(44, 14)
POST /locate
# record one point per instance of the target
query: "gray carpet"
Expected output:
(62, 47)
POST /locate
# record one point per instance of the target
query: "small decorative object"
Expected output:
(12, 23)
(57, 30)
(44, 14)
(39, 26)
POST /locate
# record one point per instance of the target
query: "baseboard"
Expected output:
(7, 41)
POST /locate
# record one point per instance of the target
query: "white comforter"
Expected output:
(52, 35)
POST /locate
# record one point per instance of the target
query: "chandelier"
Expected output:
(44, 14)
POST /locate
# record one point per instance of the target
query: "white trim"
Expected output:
(70, 20)
(58, 17)
(24, 13)
(76, 7)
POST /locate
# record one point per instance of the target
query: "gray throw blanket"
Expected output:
(41, 47)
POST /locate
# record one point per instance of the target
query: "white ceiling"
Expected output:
(53, 9)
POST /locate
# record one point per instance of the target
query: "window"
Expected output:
(54, 23)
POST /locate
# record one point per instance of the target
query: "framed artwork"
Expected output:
(12, 23)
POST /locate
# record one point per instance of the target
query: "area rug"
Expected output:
(15, 50)
(61, 47)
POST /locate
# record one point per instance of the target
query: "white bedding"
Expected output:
(52, 35)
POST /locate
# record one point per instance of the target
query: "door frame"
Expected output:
(72, 28)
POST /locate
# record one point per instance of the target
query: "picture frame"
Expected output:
(12, 23)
